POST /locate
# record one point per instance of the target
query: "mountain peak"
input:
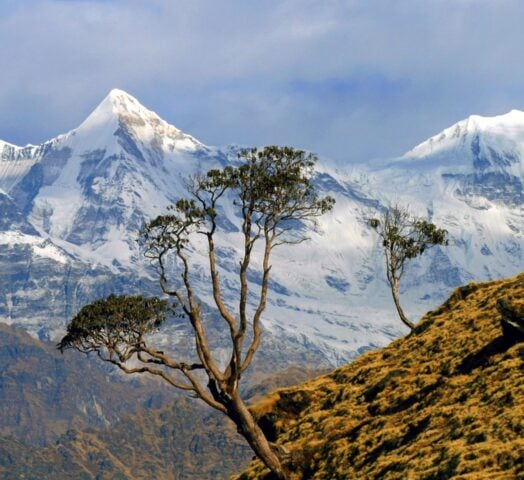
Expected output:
(515, 111)
(512, 118)
(119, 93)
(117, 106)
(122, 101)
(120, 110)
(504, 132)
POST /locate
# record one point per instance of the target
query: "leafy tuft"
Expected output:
(114, 321)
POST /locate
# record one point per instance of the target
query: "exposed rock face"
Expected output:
(12, 218)
(512, 320)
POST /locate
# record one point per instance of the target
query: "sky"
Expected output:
(352, 80)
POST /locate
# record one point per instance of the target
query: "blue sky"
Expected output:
(351, 80)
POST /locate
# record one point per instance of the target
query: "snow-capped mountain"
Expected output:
(72, 208)
(94, 186)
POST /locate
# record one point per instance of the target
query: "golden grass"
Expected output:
(445, 402)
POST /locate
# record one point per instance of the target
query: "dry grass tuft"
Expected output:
(445, 402)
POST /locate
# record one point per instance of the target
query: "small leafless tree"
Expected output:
(404, 237)
(271, 190)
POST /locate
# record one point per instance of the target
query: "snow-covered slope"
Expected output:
(88, 192)
(95, 186)
(15, 162)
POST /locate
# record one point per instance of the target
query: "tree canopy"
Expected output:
(404, 237)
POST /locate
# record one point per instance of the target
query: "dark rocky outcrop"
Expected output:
(512, 320)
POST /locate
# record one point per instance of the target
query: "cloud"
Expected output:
(345, 78)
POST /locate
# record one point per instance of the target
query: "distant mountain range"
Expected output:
(65, 417)
(70, 210)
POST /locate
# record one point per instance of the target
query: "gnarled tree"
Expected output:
(404, 237)
(271, 190)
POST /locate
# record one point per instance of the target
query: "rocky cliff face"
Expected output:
(72, 207)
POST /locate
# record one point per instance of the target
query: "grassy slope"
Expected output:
(446, 401)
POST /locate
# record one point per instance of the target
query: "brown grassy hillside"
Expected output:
(445, 402)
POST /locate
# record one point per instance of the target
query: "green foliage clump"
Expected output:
(113, 322)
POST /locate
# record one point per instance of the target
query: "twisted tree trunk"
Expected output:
(249, 429)
(396, 299)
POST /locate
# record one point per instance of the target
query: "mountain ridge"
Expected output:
(42, 398)
(89, 191)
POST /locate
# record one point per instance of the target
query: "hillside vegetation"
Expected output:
(445, 402)
(41, 396)
(55, 427)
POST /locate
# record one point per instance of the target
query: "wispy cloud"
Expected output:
(346, 78)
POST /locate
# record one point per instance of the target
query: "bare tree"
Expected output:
(404, 237)
(273, 194)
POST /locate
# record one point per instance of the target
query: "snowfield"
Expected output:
(77, 202)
